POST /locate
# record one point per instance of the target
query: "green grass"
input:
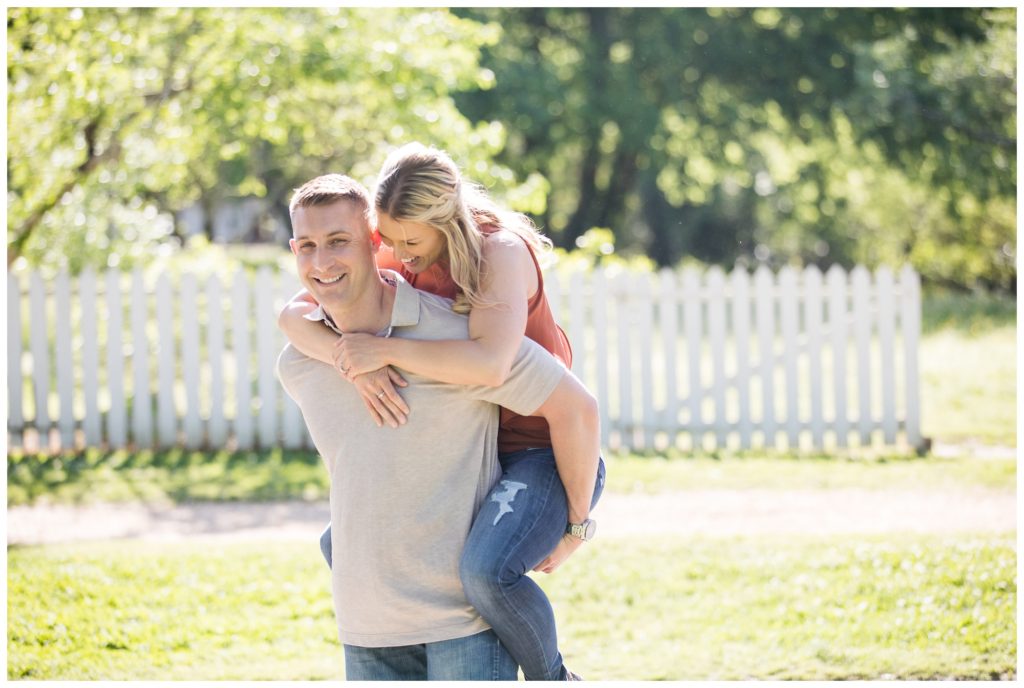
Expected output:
(901, 607)
(655, 474)
(968, 367)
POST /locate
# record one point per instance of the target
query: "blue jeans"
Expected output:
(479, 657)
(517, 527)
(519, 524)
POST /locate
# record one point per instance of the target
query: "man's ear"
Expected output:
(291, 245)
(375, 240)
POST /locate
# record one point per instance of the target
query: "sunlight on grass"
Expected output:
(653, 608)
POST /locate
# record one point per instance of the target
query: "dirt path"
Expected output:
(692, 513)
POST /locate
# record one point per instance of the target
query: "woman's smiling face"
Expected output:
(416, 245)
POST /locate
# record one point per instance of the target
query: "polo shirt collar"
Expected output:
(405, 311)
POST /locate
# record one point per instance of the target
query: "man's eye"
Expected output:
(335, 242)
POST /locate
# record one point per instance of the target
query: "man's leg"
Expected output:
(517, 527)
(405, 663)
(479, 657)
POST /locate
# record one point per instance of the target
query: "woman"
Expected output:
(447, 237)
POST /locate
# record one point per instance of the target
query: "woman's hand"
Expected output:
(356, 354)
(380, 396)
(563, 550)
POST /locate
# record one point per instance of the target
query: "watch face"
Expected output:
(590, 529)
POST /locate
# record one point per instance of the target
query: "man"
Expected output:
(403, 499)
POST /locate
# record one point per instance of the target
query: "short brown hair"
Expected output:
(330, 188)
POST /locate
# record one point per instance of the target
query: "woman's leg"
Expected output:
(519, 524)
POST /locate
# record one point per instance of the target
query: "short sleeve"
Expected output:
(535, 374)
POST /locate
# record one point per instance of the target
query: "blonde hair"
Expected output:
(422, 184)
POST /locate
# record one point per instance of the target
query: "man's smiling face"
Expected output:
(334, 253)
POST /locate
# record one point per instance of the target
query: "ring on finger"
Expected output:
(380, 395)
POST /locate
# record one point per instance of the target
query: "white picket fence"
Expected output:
(796, 360)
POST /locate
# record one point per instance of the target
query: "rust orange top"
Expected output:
(515, 432)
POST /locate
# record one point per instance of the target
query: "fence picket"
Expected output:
(716, 333)
(217, 427)
(837, 314)
(625, 326)
(861, 286)
(812, 323)
(40, 356)
(693, 327)
(740, 281)
(266, 354)
(192, 422)
(117, 414)
(910, 322)
(577, 324)
(167, 426)
(765, 307)
(600, 312)
(241, 318)
(65, 369)
(645, 329)
(142, 401)
(15, 381)
(90, 358)
(670, 337)
(886, 327)
(788, 310)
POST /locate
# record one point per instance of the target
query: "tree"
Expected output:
(119, 116)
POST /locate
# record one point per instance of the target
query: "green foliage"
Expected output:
(904, 607)
(725, 135)
(822, 136)
(124, 115)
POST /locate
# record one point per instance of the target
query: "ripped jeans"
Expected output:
(518, 526)
(521, 521)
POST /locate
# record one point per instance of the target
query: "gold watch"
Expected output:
(584, 531)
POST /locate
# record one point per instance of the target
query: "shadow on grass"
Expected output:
(175, 475)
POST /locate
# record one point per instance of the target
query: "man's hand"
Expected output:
(563, 550)
(378, 391)
(357, 353)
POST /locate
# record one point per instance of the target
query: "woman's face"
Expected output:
(417, 245)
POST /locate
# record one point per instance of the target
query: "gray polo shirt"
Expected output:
(403, 500)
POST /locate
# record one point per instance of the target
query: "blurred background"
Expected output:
(734, 137)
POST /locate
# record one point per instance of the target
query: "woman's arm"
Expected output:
(575, 422)
(495, 330)
(376, 387)
(312, 339)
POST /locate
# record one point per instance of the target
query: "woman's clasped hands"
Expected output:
(357, 357)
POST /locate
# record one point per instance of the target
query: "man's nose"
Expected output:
(321, 259)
